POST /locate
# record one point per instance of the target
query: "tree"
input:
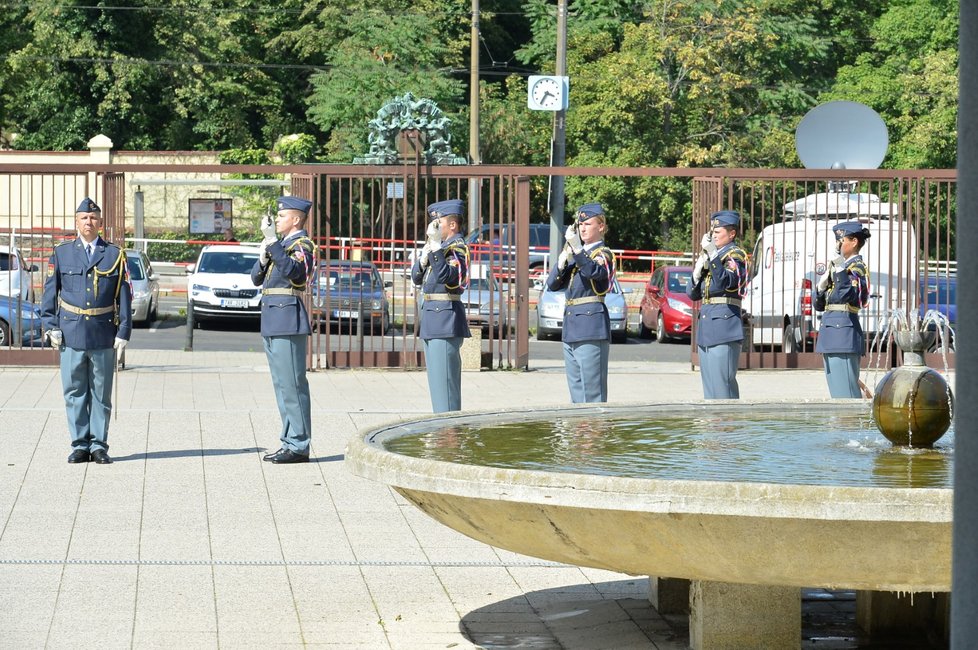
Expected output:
(378, 54)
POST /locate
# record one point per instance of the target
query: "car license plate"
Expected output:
(234, 304)
(345, 314)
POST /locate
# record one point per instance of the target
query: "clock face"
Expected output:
(546, 93)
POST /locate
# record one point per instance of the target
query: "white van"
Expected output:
(790, 257)
(15, 274)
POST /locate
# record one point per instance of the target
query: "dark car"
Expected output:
(20, 323)
(938, 293)
(352, 293)
(666, 309)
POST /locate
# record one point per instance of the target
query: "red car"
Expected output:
(666, 309)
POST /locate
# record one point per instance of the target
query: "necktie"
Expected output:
(91, 251)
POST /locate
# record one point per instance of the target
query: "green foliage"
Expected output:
(253, 202)
(296, 148)
(378, 54)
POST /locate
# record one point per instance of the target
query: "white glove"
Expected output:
(423, 256)
(56, 337)
(573, 239)
(838, 262)
(562, 259)
(434, 233)
(823, 284)
(708, 246)
(268, 228)
(263, 254)
(120, 344)
(700, 267)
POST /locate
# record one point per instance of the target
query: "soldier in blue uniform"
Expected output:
(86, 311)
(283, 270)
(442, 272)
(719, 283)
(841, 293)
(585, 269)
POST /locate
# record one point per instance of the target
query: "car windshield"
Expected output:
(341, 278)
(480, 284)
(9, 262)
(135, 268)
(679, 281)
(215, 262)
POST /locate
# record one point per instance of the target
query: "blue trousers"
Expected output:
(586, 367)
(718, 370)
(443, 362)
(287, 362)
(842, 374)
(86, 378)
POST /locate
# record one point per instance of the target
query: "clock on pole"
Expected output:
(547, 93)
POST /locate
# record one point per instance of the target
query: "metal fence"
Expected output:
(373, 217)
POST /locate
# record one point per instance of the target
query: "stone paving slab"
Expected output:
(189, 540)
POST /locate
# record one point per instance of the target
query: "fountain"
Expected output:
(913, 404)
(750, 500)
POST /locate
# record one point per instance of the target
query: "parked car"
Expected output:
(484, 303)
(666, 309)
(220, 287)
(550, 313)
(939, 293)
(145, 287)
(14, 273)
(20, 316)
(350, 293)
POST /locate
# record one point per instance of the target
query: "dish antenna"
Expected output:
(841, 135)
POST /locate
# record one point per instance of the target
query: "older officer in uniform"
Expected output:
(585, 269)
(283, 269)
(442, 272)
(86, 311)
(720, 282)
(841, 293)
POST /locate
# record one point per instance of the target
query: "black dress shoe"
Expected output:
(288, 456)
(269, 456)
(79, 456)
(101, 457)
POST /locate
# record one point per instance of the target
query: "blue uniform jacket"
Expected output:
(726, 277)
(447, 273)
(102, 284)
(292, 262)
(588, 273)
(841, 331)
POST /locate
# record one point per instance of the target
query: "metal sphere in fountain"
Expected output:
(912, 405)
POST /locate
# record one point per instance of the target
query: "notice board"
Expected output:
(209, 215)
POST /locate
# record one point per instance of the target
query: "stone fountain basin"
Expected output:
(867, 538)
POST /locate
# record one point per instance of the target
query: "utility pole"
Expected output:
(475, 199)
(557, 148)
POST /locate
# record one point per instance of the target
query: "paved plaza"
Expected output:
(189, 540)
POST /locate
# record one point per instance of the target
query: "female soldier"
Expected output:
(720, 282)
(442, 272)
(841, 293)
(585, 268)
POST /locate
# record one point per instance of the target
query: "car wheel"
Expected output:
(643, 331)
(660, 330)
(4, 334)
(619, 337)
(788, 343)
(154, 312)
